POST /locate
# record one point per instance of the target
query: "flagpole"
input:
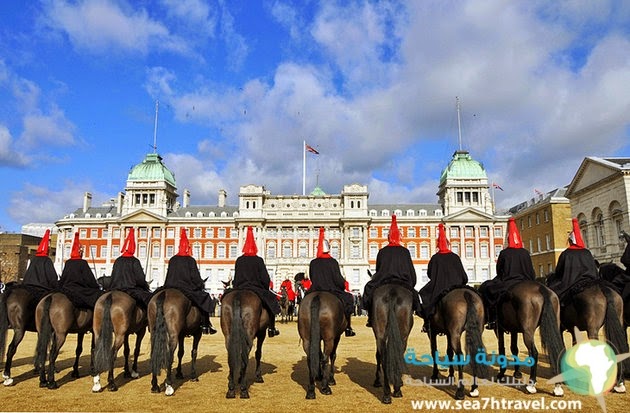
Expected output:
(493, 204)
(303, 168)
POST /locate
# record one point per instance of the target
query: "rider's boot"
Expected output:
(272, 331)
(206, 325)
(349, 331)
(492, 319)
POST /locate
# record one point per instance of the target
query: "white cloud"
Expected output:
(8, 155)
(48, 129)
(102, 26)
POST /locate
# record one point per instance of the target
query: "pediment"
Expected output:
(590, 172)
(142, 216)
(469, 215)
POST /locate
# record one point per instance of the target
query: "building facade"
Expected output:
(285, 226)
(600, 196)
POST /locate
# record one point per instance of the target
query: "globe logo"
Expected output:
(589, 367)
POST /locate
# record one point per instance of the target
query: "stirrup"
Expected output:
(272, 332)
(350, 332)
(491, 325)
(208, 330)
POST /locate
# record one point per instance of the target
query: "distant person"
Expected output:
(183, 275)
(326, 276)
(445, 272)
(127, 274)
(514, 265)
(250, 273)
(77, 279)
(576, 268)
(393, 266)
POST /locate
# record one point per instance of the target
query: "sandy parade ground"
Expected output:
(285, 375)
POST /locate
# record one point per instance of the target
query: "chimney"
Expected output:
(119, 204)
(186, 199)
(222, 196)
(87, 201)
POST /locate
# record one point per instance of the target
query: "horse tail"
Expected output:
(550, 335)
(104, 344)
(45, 334)
(393, 359)
(4, 324)
(314, 347)
(474, 342)
(615, 333)
(239, 343)
(159, 338)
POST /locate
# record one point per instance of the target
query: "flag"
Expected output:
(311, 149)
(494, 185)
(538, 192)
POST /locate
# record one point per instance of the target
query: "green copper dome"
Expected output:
(318, 191)
(463, 166)
(151, 169)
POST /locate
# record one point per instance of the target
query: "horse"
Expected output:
(55, 318)
(392, 313)
(243, 318)
(616, 275)
(591, 308)
(116, 317)
(172, 317)
(526, 306)
(459, 310)
(286, 310)
(321, 318)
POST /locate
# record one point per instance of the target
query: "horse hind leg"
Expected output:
(528, 339)
(18, 335)
(325, 368)
(180, 355)
(118, 342)
(136, 353)
(260, 338)
(57, 343)
(193, 356)
(514, 349)
(75, 367)
(126, 353)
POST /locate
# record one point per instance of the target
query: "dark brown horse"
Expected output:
(616, 275)
(172, 317)
(321, 318)
(286, 306)
(17, 311)
(461, 309)
(55, 318)
(243, 318)
(524, 307)
(589, 310)
(116, 317)
(392, 310)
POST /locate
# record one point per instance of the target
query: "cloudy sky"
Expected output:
(372, 85)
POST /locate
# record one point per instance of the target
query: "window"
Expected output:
(355, 251)
(454, 232)
(469, 232)
(531, 245)
(373, 251)
(537, 218)
(455, 248)
(105, 233)
(221, 251)
(475, 197)
(233, 250)
(424, 232)
(334, 251)
(197, 233)
(600, 237)
(412, 250)
(356, 232)
(460, 197)
(221, 232)
(196, 251)
(302, 249)
(546, 215)
(286, 250)
(548, 242)
(116, 233)
(497, 250)
(155, 250)
(83, 233)
(103, 251)
(170, 233)
(411, 232)
(271, 250)
(469, 251)
(356, 276)
(484, 274)
(529, 221)
(208, 252)
(538, 244)
(467, 197)
(498, 232)
(142, 251)
(233, 233)
(424, 252)
(115, 250)
(143, 232)
(157, 232)
(373, 232)
(483, 232)
(483, 250)
(170, 251)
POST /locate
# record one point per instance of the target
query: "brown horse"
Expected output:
(461, 309)
(526, 306)
(17, 311)
(392, 309)
(616, 275)
(171, 318)
(589, 310)
(116, 317)
(243, 318)
(321, 318)
(286, 306)
(55, 318)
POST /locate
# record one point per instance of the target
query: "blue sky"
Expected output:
(241, 84)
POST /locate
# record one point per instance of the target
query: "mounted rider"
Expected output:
(183, 275)
(514, 265)
(326, 276)
(250, 273)
(127, 273)
(77, 279)
(445, 272)
(576, 268)
(393, 266)
(40, 277)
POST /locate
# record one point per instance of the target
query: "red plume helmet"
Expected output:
(250, 249)
(575, 237)
(42, 250)
(514, 237)
(129, 247)
(394, 233)
(76, 253)
(184, 245)
(323, 247)
(442, 243)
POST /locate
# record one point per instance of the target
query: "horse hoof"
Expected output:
(326, 391)
(169, 390)
(332, 382)
(231, 394)
(397, 393)
(474, 393)
(43, 384)
(377, 383)
(8, 381)
(194, 379)
(244, 394)
(134, 375)
(531, 389)
(387, 400)
(310, 395)
(558, 391)
(75, 374)
(112, 387)
(52, 385)
(518, 375)
(155, 389)
(621, 388)
(259, 380)
(5, 376)
(97, 388)
(179, 376)
(459, 394)
(127, 375)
